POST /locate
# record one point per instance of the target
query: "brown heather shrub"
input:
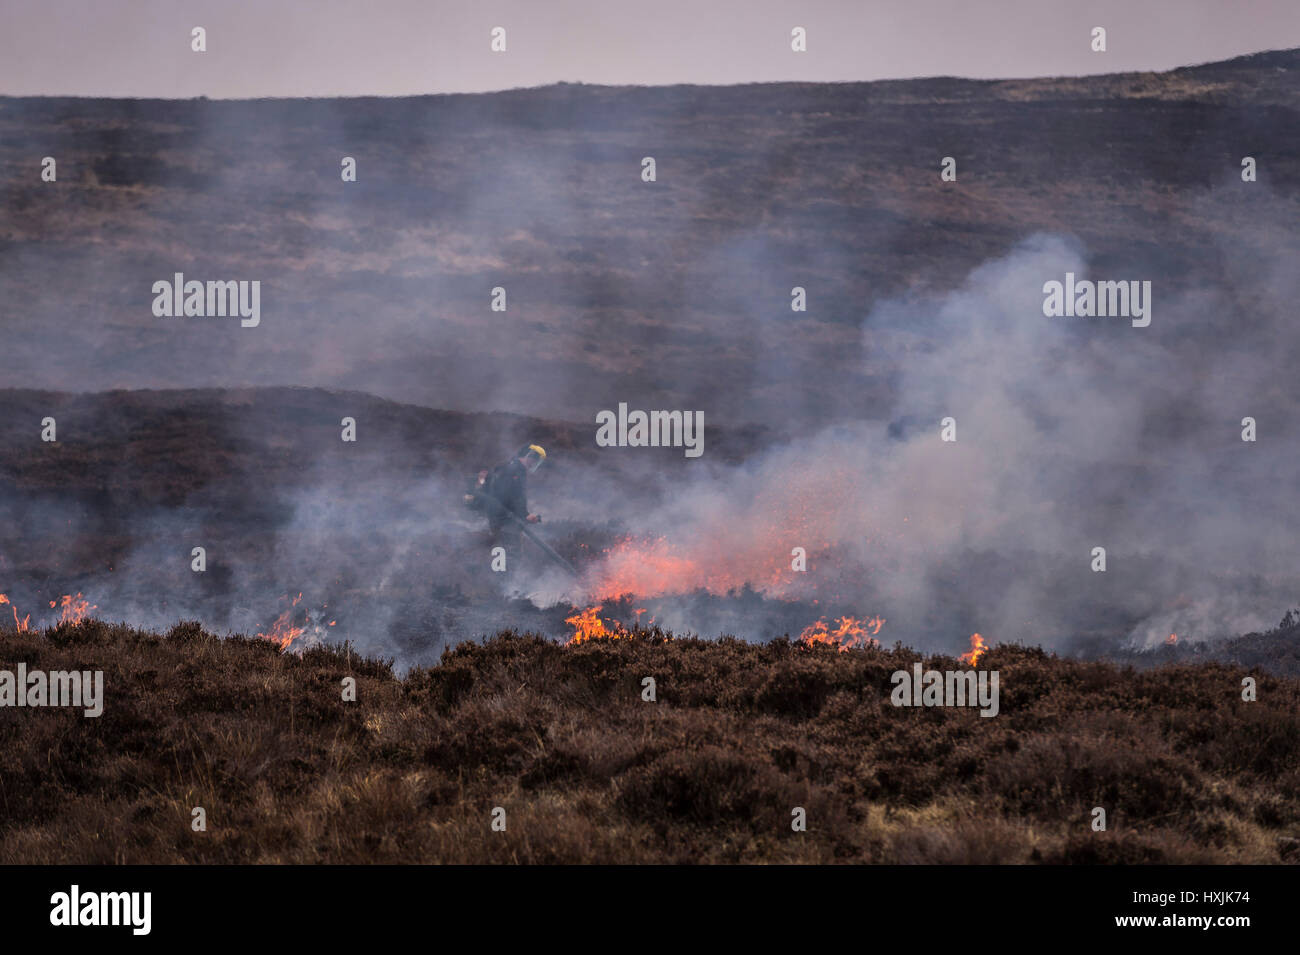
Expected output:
(587, 772)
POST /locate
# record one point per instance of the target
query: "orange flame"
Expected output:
(850, 632)
(587, 625)
(73, 609)
(653, 567)
(1171, 640)
(22, 624)
(284, 631)
(977, 649)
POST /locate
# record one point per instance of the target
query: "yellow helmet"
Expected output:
(533, 455)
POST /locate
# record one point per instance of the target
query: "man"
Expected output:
(506, 486)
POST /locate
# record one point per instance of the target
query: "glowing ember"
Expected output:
(72, 609)
(977, 649)
(22, 624)
(849, 632)
(587, 625)
(1171, 640)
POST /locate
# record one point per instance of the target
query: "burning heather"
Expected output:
(21, 624)
(588, 625)
(847, 633)
(73, 609)
(655, 567)
(296, 628)
(977, 649)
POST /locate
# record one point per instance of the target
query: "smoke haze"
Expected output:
(823, 428)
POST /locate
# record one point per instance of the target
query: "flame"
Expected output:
(291, 625)
(73, 609)
(849, 632)
(587, 625)
(1171, 640)
(283, 632)
(22, 624)
(654, 567)
(745, 540)
(977, 649)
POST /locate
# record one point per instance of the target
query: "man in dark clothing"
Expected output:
(507, 487)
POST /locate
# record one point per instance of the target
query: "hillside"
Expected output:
(677, 291)
(586, 771)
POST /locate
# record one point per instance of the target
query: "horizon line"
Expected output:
(656, 86)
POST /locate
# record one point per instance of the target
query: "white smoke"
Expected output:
(1072, 433)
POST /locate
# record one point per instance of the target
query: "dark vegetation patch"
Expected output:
(741, 734)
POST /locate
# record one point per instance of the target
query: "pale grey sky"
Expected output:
(397, 47)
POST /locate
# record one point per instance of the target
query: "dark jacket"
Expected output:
(508, 484)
